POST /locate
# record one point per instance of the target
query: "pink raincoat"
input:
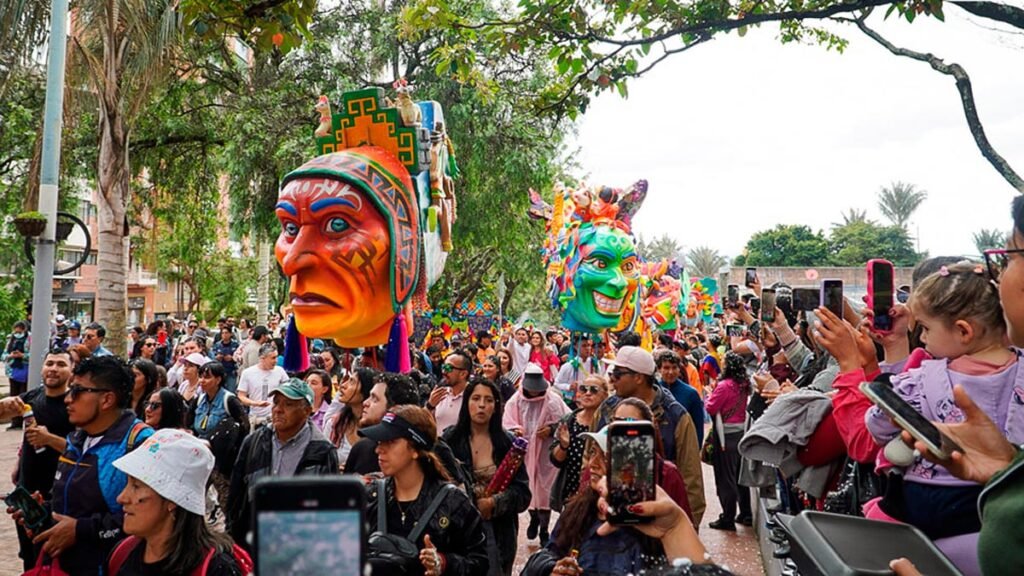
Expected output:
(530, 415)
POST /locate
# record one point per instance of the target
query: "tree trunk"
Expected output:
(263, 287)
(114, 185)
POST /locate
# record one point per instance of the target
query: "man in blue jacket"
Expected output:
(673, 378)
(87, 518)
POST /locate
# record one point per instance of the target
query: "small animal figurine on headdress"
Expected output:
(323, 106)
(407, 108)
(539, 209)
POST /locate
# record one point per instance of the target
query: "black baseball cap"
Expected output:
(393, 427)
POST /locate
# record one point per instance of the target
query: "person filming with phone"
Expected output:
(419, 522)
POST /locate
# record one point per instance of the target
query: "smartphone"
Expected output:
(750, 278)
(734, 330)
(880, 293)
(832, 296)
(755, 307)
(768, 305)
(298, 514)
(732, 297)
(784, 302)
(34, 514)
(909, 419)
(632, 474)
(806, 299)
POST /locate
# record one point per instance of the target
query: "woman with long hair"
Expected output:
(543, 356)
(567, 449)
(507, 368)
(331, 362)
(166, 409)
(490, 369)
(168, 533)
(451, 540)
(340, 427)
(727, 404)
(146, 377)
(479, 440)
(320, 382)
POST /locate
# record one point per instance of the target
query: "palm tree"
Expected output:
(852, 216)
(662, 247)
(705, 261)
(899, 201)
(985, 239)
(119, 49)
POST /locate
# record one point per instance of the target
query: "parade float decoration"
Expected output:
(366, 225)
(704, 302)
(664, 302)
(590, 256)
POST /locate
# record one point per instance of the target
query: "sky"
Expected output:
(741, 134)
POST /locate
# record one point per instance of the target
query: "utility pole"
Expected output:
(49, 173)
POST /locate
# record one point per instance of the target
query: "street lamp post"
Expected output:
(49, 172)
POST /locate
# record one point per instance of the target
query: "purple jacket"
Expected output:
(929, 389)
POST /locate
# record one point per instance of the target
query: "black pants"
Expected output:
(18, 387)
(27, 551)
(727, 474)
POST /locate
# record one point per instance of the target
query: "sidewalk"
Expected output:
(10, 564)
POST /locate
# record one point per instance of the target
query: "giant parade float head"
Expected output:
(593, 268)
(366, 225)
(663, 302)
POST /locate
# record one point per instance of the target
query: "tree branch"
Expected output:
(963, 86)
(173, 140)
(1004, 13)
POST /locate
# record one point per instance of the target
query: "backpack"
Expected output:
(226, 438)
(125, 547)
(391, 554)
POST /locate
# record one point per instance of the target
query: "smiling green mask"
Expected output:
(605, 282)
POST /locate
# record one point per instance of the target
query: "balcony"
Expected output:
(139, 277)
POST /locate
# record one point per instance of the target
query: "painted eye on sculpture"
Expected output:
(336, 226)
(291, 229)
(598, 263)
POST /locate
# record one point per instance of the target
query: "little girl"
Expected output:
(962, 326)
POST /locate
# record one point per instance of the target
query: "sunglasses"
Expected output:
(154, 405)
(149, 345)
(588, 389)
(74, 390)
(446, 368)
(619, 373)
(997, 260)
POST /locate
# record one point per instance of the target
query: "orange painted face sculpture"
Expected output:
(335, 248)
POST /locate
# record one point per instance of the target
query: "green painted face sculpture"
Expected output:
(605, 282)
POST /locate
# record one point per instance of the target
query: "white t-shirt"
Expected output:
(569, 375)
(258, 383)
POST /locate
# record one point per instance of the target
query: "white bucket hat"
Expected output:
(175, 464)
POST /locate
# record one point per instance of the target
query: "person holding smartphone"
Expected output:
(453, 543)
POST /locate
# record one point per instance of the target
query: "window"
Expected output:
(91, 260)
(162, 284)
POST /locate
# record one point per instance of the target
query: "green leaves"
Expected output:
(280, 25)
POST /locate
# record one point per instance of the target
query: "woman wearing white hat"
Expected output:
(164, 505)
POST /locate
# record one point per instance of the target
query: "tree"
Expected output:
(855, 243)
(985, 239)
(899, 201)
(787, 245)
(598, 46)
(852, 215)
(705, 261)
(662, 247)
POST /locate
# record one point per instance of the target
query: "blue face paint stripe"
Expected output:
(287, 207)
(326, 202)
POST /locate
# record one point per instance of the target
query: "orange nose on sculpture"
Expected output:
(349, 244)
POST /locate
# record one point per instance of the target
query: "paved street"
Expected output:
(10, 564)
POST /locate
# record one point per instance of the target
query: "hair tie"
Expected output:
(943, 271)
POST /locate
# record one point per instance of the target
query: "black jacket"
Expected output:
(507, 505)
(456, 529)
(253, 463)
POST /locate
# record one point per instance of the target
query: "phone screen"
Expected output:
(768, 305)
(750, 277)
(806, 299)
(632, 477)
(34, 513)
(736, 330)
(881, 294)
(733, 294)
(306, 541)
(908, 418)
(832, 296)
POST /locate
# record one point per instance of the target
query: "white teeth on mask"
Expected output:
(606, 305)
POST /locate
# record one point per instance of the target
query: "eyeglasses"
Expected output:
(154, 405)
(996, 261)
(588, 389)
(74, 390)
(619, 373)
(193, 326)
(149, 345)
(446, 368)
